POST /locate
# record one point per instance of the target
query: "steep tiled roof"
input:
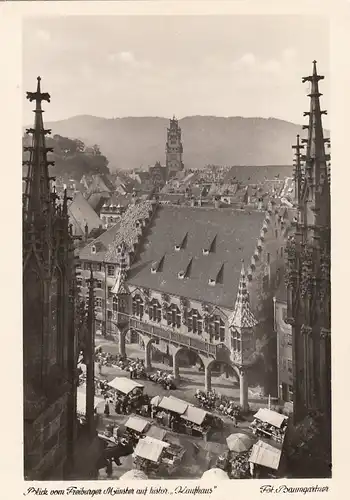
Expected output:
(96, 200)
(82, 213)
(124, 231)
(250, 175)
(236, 233)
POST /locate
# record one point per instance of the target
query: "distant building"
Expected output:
(82, 215)
(174, 149)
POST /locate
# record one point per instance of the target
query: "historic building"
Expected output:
(284, 340)
(174, 149)
(308, 267)
(190, 279)
(49, 334)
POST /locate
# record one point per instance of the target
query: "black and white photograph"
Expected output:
(176, 248)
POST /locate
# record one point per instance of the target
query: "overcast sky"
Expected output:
(184, 65)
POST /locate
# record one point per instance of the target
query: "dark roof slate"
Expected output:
(236, 231)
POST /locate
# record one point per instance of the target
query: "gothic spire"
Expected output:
(315, 157)
(242, 316)
(298, 175)
(37, 192)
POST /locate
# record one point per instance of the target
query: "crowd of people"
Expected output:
(213, 401)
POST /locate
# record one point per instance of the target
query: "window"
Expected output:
(110, 270)
(97, 266)
(268, 258)
(290, 392)
(276, 234)
(137, 306)
(265, 283)
(98, 302)
(155, 311)
(284, 314)
(174, 316)
(98, 284)
(195, 322)
(109, 314)
(79, 281)
(290, 339)
(290, 365)
(281, 252)
(115, 303)
(217, 329)
(109, 292)
(235, 340)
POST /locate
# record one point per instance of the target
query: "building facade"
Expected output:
(49, 334)
(174, 148)
(284, 339)
(308, 267)
(173, 276)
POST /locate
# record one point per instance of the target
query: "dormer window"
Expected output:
(177, 248)
(205, 251)
(154, 268)
(181, 275)
(93, 249)
(212, 282)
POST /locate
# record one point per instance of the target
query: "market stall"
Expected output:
(148, 453)
(168, 412)
(135, 427)
(128, 394)
(156, 433)
(196, 422)
(269, 424)
(264, 460)
(81, 405)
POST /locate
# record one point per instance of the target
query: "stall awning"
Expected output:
(124, 385)
(175, 405)
(266, 455)
(156, 432)
(136, 424)
(81, 402)
(270, 417)
(195, 415)
(150, 448)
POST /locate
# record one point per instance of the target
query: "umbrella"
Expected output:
(134, 474)
(215, 474)
(156, 400)
(239, 442)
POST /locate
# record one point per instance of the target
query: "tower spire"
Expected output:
(37, 193)
(315, 156)
(242, 316)
(298, 175)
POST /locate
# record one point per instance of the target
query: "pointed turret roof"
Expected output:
(242, 316)
(315, 156)
(298, 174)
(120, 286)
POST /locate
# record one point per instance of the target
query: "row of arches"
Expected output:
(207, 365)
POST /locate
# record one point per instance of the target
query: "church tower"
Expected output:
(174, 148)
(308, 267)
(49, 342)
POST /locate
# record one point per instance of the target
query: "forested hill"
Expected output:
(133, 142)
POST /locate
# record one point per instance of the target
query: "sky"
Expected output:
(119, 66)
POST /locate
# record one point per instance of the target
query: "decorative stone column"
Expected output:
(122, 335)
(148, 354)
(243, 389)
(207, 378)
(176, 371)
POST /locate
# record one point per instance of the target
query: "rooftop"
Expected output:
(82, 213)
(236, 232)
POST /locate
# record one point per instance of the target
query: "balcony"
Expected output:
(174, 337)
